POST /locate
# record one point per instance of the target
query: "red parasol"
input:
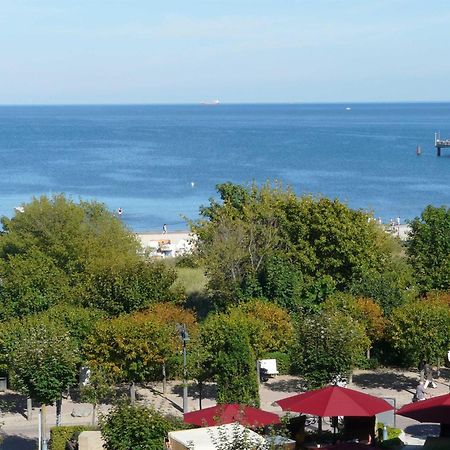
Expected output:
(229, 413)
(434, 410)
(335, 401)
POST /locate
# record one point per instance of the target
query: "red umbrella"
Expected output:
(230, 413)
(434, 410)
(335, 401)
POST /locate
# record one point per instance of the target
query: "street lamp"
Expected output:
(184, 336)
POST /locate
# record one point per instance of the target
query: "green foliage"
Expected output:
(293, 250)
(60, 435)
(421, 330)
(58, 251)
(390, 287)
(132, 348)
(133, 286)
(236, 370)
(31, 283)
(330, 345)
(44, 362)
(132, 427)
(429, 249)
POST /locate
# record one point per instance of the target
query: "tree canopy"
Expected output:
(59, 251)
(293, 250)
(429, 249)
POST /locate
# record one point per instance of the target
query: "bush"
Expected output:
(60, 435)
(134, 427)
(283, 361)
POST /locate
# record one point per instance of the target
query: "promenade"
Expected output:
(21, 434)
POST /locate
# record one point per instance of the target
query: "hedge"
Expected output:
(60, 435)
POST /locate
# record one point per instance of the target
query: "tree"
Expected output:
(128, 287)
(99, 386)
(44, 362)
(224, 353)
(330, 346)
(428, 248)
(132, 348)
(133, 427)
(421, 330)
(236, 370)
(58, 251)
(292, 250)
(364, 310)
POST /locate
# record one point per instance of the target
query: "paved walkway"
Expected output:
(21, 433)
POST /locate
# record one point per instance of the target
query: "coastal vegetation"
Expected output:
(323, 287)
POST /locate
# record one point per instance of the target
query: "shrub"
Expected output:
(134, 427)
(60, 435)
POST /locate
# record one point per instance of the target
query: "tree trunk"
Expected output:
(164, 378)
(133, 393)
(350, 377)
(94, 411)
(29, 408)
(44, 427)
(58, 412)
(200, 394)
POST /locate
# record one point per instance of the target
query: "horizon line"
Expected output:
(340, 102)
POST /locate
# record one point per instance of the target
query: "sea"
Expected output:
(160, 163)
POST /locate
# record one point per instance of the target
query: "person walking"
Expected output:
(428, 370)
(421, 393)
(164, 229)
(421, 368)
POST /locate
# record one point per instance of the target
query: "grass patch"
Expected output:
(193, 280)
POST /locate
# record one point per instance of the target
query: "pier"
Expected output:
(440, 143)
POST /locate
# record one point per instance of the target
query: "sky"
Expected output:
(238, 51)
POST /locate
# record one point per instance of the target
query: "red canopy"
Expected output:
(229, 413)
(435, 410)
(335, 401)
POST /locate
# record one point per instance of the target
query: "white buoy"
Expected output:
(192, 184)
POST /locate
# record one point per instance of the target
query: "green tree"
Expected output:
(224, 352)
(429, 249)
(293, 250)
(133, 286)
(57, 251)
(236, 370)
(99, 387)
(133, 427)
(330, 346)
(132, 348)
(421, 330)
(44, 363)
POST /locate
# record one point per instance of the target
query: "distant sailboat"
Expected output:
(348, 108)
(418, 150)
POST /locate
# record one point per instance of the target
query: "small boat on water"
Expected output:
(418, 150)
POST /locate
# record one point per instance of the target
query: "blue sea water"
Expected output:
(160, 163)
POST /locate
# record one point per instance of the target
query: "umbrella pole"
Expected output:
(319, 425)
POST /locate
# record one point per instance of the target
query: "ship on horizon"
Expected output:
(211, 103)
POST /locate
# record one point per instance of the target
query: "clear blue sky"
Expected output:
(180, 51)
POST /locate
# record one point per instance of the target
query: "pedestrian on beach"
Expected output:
(429, 376)
(398, 221)
(119, 212)
(164, 229)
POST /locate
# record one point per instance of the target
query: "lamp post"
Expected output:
(184, 336)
